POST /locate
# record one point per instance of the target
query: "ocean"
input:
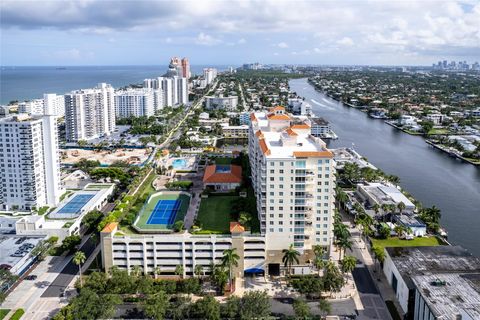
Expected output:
(26, 83)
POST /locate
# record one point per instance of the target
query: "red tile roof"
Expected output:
(276, 108)
(253, 117)
(278, 117)
(236, 227)
(264, 147)
(212, 176)
(300, 126)
(290, 132)
(110, 227)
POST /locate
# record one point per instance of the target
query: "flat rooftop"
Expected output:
(450, 294)
(387, 194)
(412, 261)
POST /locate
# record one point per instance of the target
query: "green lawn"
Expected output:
(18, 314)
(3, 313)
(439, 131)
(214, 214)
(147, 211)
(396, 242)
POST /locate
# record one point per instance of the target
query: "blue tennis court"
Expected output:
(164, 212)
(76, 203)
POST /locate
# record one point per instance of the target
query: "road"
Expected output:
(243, 97)
(61, 282)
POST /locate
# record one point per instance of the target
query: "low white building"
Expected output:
(417, 227)
(407, 120)
(235, 131)
(320, 128)
(380, 193)
(221, 102)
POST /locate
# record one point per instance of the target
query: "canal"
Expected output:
(429, 175)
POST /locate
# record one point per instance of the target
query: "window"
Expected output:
(280, 229)
(320, 162)
(271, 229)
(281, 163)
(281, 171)
(272, 193)
(272, 171)
(301, 164)
(272, 179)
(272, 208)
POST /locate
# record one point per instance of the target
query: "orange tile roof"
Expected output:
(278, 117)
(252, 117)
(306, 154)
(300, 126)
(236, 227)
(290, 132)
(165, 152)
(264, 147)
(259, 133)
(276, 108)
(212, 176)
(110, 227)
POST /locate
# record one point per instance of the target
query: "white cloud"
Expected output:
(346, 41)
(282, 45)
(204, 39)
(241, 41)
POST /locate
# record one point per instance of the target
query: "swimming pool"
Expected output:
(179, 163)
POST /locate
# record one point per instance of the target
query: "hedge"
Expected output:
(17, 315)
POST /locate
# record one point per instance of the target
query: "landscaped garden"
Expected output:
(214, 214)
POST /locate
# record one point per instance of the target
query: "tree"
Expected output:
(219, 276)
(229, 260)
(379, 254)
(400, 230)
(41, 250)
(179, 270)
(325, 307)
(136, 271)
(290, 256)
(301, 309)
(79, 259)
(90, 306)
(348, 264)
(231, 308)
(427, 126)
(254, 305)
(384, 231)
(343, 243)
(311, 286)
(332, 278)
(155, 305)
(157, 271)
(198, 271)
(70, 242)
(207, 308)
(97, 281)
(180, 308)
(91, 219)
(178, 226)
(245, 219)
(401, 207)
(376, 208)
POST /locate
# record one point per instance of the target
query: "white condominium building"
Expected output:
(90, 113)
(134, 103)
(174, 90)
(293, 175)
(51, 104)
(209, 74)
(29, 162)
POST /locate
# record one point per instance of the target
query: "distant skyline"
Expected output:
(376, 32)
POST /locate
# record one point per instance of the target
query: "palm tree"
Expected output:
(376, 208)
(379, 254)
(400, 230)
(136, 271)
(290, 256)
(198, 271)
(318, 250)
(157, 271)
(401, 206)
(79, 259)
(348, 264)
(230, 259)
(343, 243)
(341, 198)
(179, 271)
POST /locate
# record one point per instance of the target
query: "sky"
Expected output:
(231, 32)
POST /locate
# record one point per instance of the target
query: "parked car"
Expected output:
(31, 277)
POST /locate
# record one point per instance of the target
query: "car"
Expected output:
(5, 266)
(31, 277)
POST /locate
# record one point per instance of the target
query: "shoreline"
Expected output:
(361, 109)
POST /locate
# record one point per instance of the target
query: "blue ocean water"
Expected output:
(25, 83)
